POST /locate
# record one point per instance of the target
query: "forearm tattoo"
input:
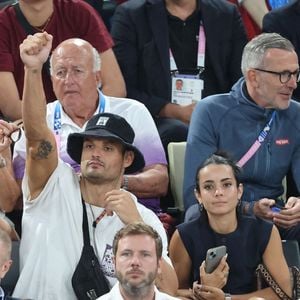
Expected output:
(44, 149)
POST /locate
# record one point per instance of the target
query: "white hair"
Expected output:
(96, 61)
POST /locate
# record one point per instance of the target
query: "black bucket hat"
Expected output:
(106, 125)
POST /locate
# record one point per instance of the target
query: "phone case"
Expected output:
(213, 258)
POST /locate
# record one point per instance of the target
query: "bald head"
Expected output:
(5, 253)
(76, 45)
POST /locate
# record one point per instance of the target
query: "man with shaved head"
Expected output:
(75, 68)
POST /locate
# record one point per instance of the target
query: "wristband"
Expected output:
(227, 296)
(125, 182)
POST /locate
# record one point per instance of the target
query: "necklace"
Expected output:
(99, 218)
(43, 27)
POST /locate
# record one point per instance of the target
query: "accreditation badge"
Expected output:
(186, 89)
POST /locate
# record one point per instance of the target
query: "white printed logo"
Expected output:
(102, 121)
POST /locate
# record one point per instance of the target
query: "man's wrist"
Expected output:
(2, 162)
(248, 208)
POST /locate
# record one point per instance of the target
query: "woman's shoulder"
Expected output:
(255, 225)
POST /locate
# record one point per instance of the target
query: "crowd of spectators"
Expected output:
(92, 92)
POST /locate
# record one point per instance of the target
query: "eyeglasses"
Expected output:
(17, 133)
(284, 76)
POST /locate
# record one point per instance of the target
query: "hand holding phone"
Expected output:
(213, 258)
(277, 208)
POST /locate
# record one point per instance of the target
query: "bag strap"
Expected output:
(296, 278)
(85, 226)
(262, 270)
(22, 20)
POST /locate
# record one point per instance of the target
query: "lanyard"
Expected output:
(57, 118)
(256, 145)
(200, 53)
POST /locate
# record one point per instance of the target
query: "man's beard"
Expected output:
(139, 289)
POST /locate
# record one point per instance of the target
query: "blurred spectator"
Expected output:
(158, 41)
(278, 3)
(252, 12)
(63, 19)
(10, 190)
(5, 260)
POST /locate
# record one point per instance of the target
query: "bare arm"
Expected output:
(167, 281)
(182, 264)
(41, 159)
(10, 103)
(10, 190)
(274, 261)
(257, 10)
(182, 113)
(113, 83)
(151, 182)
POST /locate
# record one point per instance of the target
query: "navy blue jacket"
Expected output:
(231, 122)
(140, 32)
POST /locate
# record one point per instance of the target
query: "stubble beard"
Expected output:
(138, 290)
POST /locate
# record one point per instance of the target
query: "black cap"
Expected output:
(106, 125)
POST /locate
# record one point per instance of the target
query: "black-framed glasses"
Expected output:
(284, 76)
(17, 133)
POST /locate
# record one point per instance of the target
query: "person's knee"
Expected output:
(172, 130)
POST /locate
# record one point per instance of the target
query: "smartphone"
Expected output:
(213, 258)
(277, 208)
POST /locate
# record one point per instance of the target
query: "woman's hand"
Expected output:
(5, 131)
(205, 292)
(218, 278)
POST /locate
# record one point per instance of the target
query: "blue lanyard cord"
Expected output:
(57, 112)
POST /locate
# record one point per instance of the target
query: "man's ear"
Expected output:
(252, 78)
(159, 267)
(98, 78)
(114, 261)
(128, 158)
(5, 267)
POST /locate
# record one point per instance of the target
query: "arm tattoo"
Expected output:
(44, 149)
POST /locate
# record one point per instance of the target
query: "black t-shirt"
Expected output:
(183, 40)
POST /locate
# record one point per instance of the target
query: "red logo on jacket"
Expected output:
(282, 142)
